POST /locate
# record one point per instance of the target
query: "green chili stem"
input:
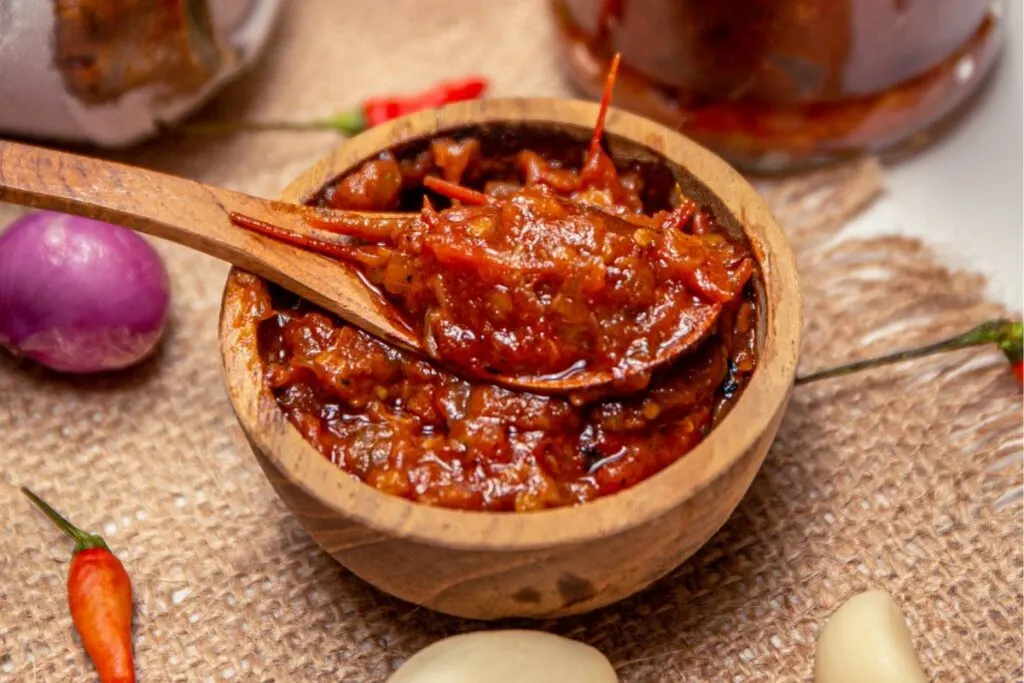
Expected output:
(83, 540)
(215, 128)
(347, 123)
(1005, 333)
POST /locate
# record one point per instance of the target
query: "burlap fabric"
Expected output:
(907, 478)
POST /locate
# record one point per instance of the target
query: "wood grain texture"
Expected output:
(555, 562)
(196, 216)
(199, 216)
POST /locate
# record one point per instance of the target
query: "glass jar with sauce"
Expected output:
(773, 85)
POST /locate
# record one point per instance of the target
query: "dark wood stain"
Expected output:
(528, 595)
(574, 589)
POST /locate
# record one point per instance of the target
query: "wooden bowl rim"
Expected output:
(302, 465)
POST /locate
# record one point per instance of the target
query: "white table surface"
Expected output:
(963, 195)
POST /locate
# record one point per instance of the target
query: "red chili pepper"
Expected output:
(100, 598)
(370, 113)
(1008, 335)
(377, 110)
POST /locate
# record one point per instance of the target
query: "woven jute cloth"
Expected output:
(907, 478)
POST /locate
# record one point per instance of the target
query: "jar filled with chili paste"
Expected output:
(773, 85)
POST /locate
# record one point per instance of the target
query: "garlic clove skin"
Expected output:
(867, 640)
(511, 656)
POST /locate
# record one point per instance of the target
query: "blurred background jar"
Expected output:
(775, 85)
(112, 73)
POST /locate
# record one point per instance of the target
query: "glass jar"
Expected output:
(774, 85)
(113, 74)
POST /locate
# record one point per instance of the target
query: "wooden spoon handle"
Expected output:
(164, 206)
(196, 216)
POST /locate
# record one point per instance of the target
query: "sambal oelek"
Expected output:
(532, 260)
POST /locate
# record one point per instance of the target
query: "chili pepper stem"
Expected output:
(83, 540)
(606, 101)
(348, 122)
(344, 123)
(1006, 334)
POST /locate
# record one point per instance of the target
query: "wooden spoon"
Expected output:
(199, 216)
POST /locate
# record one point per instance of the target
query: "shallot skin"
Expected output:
(79, 295)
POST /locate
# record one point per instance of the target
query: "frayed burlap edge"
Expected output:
(906, 478)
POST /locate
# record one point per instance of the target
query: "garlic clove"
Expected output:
(511, 656)
(867, 641)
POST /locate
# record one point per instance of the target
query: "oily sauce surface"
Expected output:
(412, 429)
(548, 272)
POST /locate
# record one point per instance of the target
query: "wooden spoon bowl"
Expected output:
(555, 562)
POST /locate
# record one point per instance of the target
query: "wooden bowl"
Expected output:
(549, 563)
